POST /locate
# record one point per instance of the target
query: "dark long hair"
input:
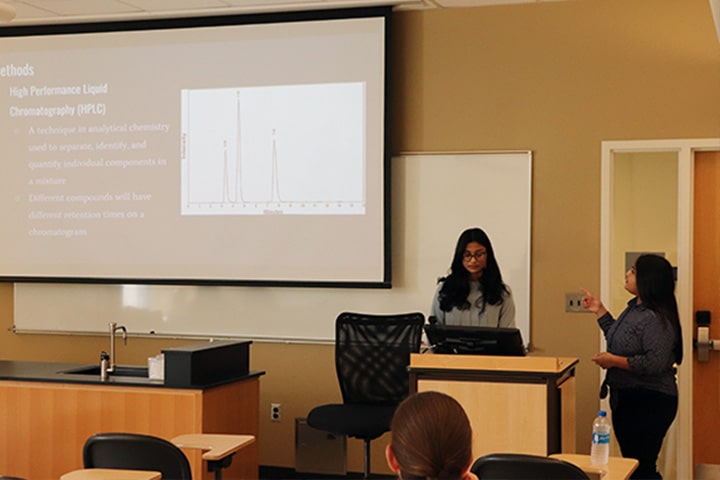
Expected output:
(656, 288)
(431, 437)
(456, 286)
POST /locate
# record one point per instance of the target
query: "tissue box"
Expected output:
(156, 367)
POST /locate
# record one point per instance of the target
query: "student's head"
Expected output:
(654, 281)
(469, 257)
(431, 438)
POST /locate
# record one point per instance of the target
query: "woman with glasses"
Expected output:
(473, 294)
(643, 346)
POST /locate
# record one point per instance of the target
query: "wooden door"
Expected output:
(706, 296)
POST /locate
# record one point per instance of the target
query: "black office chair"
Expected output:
(372, 353)
(517, 466)
(133, 451)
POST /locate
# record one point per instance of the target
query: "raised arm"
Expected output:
(592, 303)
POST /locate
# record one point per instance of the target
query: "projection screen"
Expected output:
(231, 150)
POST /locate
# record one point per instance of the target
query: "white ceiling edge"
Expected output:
(7, 11)
(715, 7)
(249, 7)
(299, 5)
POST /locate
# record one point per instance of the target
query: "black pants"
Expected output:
(641, 419)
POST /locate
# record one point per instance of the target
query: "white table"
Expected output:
(618, 468)
(110, 474)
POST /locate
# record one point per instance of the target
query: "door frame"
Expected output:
(685, 149)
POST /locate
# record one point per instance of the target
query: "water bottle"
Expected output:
(600, 449)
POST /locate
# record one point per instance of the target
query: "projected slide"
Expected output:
(296, 149)
(253, 155)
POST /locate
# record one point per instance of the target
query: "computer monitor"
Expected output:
(475, 340)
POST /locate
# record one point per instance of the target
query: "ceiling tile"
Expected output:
(165, 5)
(82, 7)
(28, 11)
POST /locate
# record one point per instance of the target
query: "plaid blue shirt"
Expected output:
(647, 341)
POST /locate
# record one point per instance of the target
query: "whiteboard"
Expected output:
(434, 198)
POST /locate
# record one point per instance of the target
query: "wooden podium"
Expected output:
(515, 404)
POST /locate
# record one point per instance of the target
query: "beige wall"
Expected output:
(554, 77)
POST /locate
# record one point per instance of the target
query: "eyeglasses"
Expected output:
(477, 255)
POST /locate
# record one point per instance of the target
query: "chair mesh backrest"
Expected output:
(372, 353)
(517, 466)
(131, 451)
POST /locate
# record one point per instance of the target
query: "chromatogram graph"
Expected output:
(293, 149)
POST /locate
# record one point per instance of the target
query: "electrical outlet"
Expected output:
(573, 302)
(275, 412)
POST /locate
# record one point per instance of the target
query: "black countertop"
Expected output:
(53, 372)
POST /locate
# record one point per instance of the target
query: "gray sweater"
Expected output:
(647, 341)
(501, 315)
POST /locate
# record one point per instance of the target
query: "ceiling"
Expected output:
(38, 12)
(34, 12)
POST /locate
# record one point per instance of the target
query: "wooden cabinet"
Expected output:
(43, 425)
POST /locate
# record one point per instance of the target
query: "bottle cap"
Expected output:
(602, 413)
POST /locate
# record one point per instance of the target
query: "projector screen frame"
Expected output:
(383, 12)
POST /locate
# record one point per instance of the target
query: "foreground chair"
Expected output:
(372, 353)
(132, 451)
(515, 466)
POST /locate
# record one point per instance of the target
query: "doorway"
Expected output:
(624, 169)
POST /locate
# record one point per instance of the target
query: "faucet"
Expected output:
(114, 327)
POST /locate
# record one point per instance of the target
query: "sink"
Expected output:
(120, 371)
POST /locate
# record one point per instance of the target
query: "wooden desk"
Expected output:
(59, 417)
(110, 474)
(618, 468)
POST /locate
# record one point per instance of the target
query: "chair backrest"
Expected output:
(372, 353)
(517, 466)
(133, 451)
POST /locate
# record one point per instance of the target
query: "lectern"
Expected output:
(515, 404)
